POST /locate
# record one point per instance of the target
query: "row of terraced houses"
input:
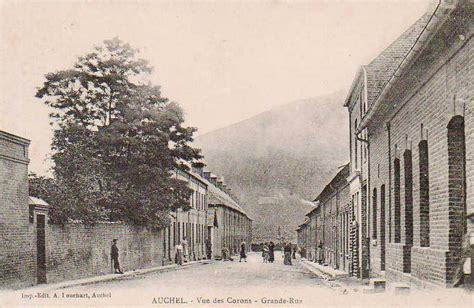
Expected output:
(401, 210)
(35, 251)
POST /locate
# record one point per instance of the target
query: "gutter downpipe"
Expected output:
(432, 24)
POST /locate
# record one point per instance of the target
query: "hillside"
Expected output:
(287, 153)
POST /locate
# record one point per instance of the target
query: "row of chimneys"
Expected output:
(218, 182)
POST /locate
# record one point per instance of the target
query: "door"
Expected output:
(40, 249)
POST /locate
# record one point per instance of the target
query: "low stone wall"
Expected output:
(76, 251)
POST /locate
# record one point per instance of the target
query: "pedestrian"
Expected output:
(184, 243)
(225, 254)
(114, 254)
(208, 249)
(271, 252)
(287, 254)
(319, 253)
(265, 253)
(243, 254)
(179, 254)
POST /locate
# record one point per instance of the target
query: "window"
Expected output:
(396, 197)
(457, 180)
(408, 172)
(356, 145)
(382, 227)
(424, 194)
(374, 214)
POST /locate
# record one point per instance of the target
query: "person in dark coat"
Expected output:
(287, 252)
(114, 254)
(243, 254)
(271, 251)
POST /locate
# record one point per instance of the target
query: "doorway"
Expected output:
(41, 248)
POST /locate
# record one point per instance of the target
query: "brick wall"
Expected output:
(427, 99)
(17, 254)
(76, 251)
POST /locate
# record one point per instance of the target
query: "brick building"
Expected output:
(411, 136)
(191, 224)
(18, 252)
(366, 87)
(328, 224)
(302, 239)
(228, 224)
(410, 183)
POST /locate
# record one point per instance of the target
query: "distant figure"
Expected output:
(243, 254)
(271, 252)
(287, 252)
(179, 254)
(319, 253)
(114, 254)
(265, 253)
(184, 243)
(225, 254)
(208, 249)
(293, 255)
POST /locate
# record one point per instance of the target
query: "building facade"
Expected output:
(302, 239)
(18, 252)
(191, 224)
(228, 224)
(410, 180)
(420, 137)
(327, 227)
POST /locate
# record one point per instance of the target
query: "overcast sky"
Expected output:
(222, 61)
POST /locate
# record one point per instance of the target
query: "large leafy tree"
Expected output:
(116, 140)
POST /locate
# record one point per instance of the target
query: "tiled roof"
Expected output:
(381, 69)
(338, 181)
(217, 196)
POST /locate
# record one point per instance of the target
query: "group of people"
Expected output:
(268, 252)
(243, 253)
(181, 253)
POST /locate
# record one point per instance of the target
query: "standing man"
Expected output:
(179, 254)
(243, 252)
(271, 248)
(114, 254)
(184, 243)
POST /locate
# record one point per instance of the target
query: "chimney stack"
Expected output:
(198, 168)
(207, 175)
(213, 179)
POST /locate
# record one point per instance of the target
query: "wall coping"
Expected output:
(13, 138)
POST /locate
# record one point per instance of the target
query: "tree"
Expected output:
(116, 139)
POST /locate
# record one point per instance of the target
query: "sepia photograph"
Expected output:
(236, 153)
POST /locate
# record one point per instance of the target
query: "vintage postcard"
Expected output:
(236, 153)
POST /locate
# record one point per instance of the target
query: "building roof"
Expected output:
(423, 32)
(219, 197)
(215, 195)
(381, 69)
(37, 202)
(304, 224)
(337, 182)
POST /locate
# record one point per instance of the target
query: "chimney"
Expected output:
(207, 175)
(198, 168)
(220, 183)
(213, 179)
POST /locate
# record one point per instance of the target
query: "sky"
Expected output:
(222, 61)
